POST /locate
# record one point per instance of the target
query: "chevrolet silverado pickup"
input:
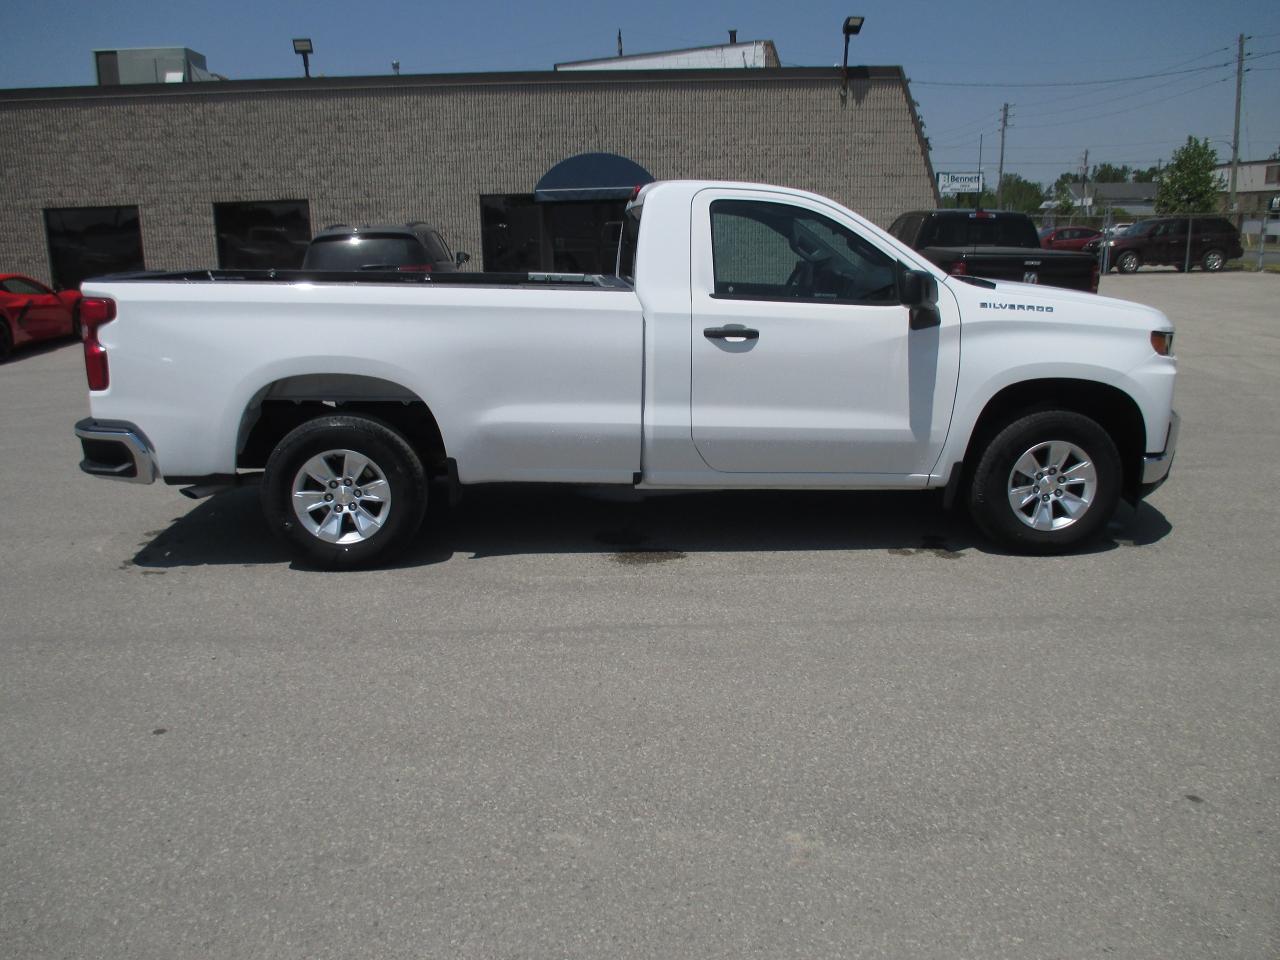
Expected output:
(752, 337)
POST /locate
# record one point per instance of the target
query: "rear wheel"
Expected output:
(6, 340)
(1128, 262)
(344, 490)
(1213, 260)
(1047, 483)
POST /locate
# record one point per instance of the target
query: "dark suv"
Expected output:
(404, 247)
(1163, 241)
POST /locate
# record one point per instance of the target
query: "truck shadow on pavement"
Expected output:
(626, 527)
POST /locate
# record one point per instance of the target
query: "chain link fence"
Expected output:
(1258, 235)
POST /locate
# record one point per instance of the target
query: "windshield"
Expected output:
(364, 252)
(1141, 228)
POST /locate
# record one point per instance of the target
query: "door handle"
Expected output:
(731, 333)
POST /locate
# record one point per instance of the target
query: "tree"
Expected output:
(1021, 194)
(1189, 184)
(1110, 173)
(1146, 176)
(1064, 203)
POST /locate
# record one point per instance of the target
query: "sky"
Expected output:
(1126, 81)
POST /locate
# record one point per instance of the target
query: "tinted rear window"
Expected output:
(436, 247)
(370, 251)
(968, 231)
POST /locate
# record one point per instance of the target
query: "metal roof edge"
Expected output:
(391, 83)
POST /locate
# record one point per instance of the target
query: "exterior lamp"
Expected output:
(302, 47)
(852, 27)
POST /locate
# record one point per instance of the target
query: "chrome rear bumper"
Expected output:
(117, 450)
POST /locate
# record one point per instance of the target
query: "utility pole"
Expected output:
(977, 204)
(1084, 181)
(1004, 124)
(1235, 137)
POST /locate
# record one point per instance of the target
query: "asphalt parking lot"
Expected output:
(577, 726)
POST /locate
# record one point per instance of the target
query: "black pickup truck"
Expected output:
(996, 244)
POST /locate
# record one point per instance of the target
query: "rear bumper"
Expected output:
(1155, 466)
(116, 449)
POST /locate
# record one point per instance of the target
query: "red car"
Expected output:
(1067, 238)
(30, 311)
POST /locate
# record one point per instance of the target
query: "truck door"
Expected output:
(803, 360)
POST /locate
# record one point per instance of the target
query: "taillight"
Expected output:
(958, 269)
(415, 268)
(94, 312)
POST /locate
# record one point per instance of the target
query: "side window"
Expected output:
(24, 287)
(772, 251)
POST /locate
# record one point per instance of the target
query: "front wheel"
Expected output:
(343, 490)
(1047, 483)
(1128, 262)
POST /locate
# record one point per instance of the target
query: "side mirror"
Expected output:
(918, 291)
(913, 287)
(461, 257)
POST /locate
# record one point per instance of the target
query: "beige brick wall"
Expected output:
(378, 149)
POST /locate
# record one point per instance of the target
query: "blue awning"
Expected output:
(592, 176)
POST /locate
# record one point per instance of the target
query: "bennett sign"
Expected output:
(949, 184)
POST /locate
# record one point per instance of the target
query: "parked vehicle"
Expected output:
(754, 337)
(406, 246)
(1067, 238)
(1163, 241)
(997, 244)
(30, 311)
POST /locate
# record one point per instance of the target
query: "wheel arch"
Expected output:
(283, 404)
(1109, 406)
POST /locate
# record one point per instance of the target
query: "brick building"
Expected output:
(241, 173)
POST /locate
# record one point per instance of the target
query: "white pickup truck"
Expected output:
(754, 337)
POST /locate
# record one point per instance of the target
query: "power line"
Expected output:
(1113, 113)
(1174, 66)
(1075, 83)
(1168, 90)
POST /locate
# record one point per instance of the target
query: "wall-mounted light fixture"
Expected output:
(852, 27)
(302, 47)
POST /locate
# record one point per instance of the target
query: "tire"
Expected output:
(1017, 496)
(372, 516)
(1129, 261)
(6, 340)
(77, 332)
(1213, 260)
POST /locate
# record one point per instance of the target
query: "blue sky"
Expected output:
(939, 44)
